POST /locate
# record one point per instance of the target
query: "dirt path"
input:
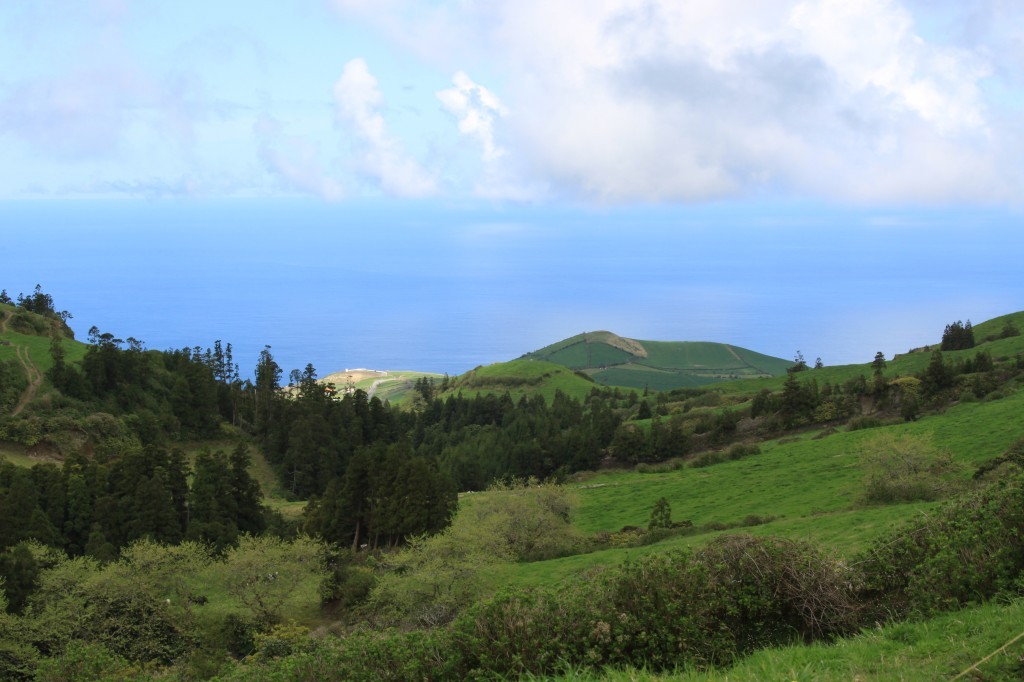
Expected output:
(3, 321)
(375, 384)
(35, 379)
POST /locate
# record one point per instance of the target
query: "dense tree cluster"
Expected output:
(89, 507)
(35, 314)
(958, 336)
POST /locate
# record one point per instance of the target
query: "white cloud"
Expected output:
(688, 100)
(381, 155)
(475, 107)
(296, 160)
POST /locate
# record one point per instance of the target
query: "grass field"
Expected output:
(812, 488)
(523, 378)
(907, 363)
(659, 365)
(39, 349)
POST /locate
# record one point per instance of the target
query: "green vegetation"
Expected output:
(693, 531)
(657, 365)
(521, 378)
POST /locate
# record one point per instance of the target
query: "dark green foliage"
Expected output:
(937, 377)
(799, 364)
(238, 635)
(12, 384)
(735, 451)
(970, 550)
(661, 515)
(94, 508)
(957, 336)
(799, 399)
(878, 364)
(19, 569)
(224, 500)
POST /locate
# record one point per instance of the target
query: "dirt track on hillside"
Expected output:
(35, 379)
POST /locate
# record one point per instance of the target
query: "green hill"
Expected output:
(523, 377)
(614, 360)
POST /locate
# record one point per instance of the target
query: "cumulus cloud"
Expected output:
(381, 155)
(475, 107)
(295, 160)
(688, 100)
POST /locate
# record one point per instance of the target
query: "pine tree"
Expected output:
(661, 515)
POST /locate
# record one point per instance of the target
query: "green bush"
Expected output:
(905, 468)
(968, 551)
(858, 423)
(84, 662)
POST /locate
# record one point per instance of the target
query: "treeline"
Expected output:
(164, 395)
(376, 475)
(90, 507)
(36, 315)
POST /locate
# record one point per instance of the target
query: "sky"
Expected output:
(586, 101)
(781, 135)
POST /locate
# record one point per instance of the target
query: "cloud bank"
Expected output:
(686, 100)
(589, 101)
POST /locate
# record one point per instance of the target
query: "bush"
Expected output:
(971, 549)
(858, 423)
(435, 578)
(904, 469)
(83, 662)
(707, 608)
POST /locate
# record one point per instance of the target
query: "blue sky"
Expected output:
(866, 102)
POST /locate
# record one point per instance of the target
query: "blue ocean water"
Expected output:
(438, 287)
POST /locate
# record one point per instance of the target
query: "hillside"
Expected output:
(901, 364)
(812, 477)
(25, 339)
(393, 386)
(523, 377)
(614, 360)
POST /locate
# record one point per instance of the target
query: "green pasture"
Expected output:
(907, 363)
(584, 355)
(790, 478)
(39, 349)
(809, 488)
(523, 378)
(637, 376)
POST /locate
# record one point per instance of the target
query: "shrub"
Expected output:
(858, 423)
(904, 469)
(970, 550)
(706, 608)
(434, 578)
(83, 662)
(661, 515)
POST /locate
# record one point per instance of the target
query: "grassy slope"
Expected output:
(523, 378)
(812, 486)
(38, 347)
(908, 363)
(659, 365)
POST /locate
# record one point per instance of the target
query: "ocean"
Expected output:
(445, 287)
